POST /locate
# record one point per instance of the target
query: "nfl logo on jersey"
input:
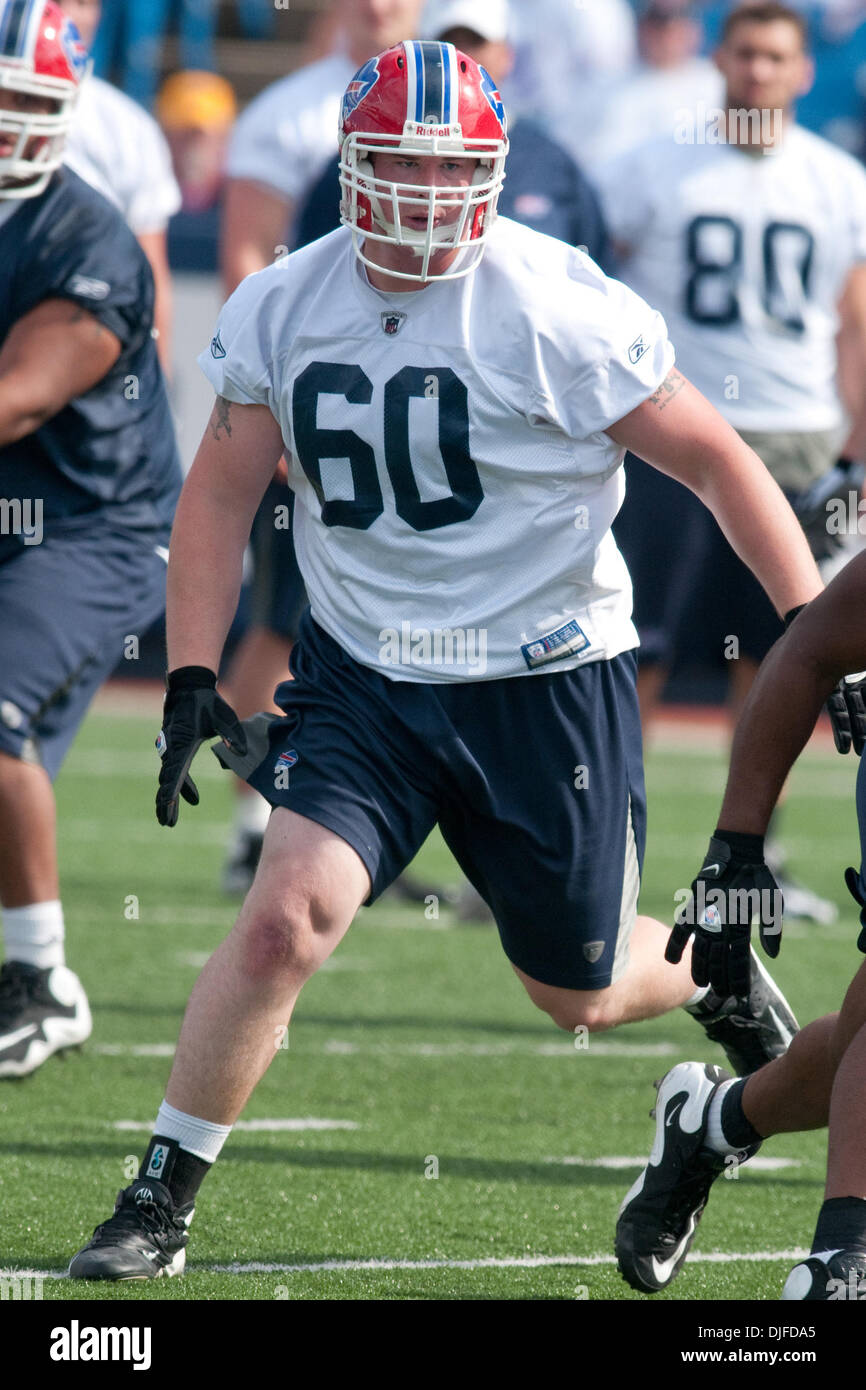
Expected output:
(392, 323)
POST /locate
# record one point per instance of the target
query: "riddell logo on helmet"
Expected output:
(433, 130)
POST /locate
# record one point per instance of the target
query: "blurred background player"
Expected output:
(749, 233)
(118, 148)
(568, 57)
(197, 111)
(90, 479)
(545, 188)
(820, 1079)
(669, 76)
(278, 148)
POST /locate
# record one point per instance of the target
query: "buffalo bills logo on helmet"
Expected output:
(489, 89)
(76, 53)
(361, 84)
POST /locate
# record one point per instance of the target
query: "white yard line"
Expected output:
(338, 1047)
(255, 1126)
(489, 1262)
(760, 1164)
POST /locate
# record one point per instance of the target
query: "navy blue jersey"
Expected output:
(110, 453)
(543, 188)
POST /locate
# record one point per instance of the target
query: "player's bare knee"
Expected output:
(278, 941)
(594, 1017)
(572, 1009)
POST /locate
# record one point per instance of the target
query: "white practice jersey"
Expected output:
(746, 255)
(118, 148)
(287, 135)
(455, 487)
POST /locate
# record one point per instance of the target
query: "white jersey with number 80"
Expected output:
(746, 254)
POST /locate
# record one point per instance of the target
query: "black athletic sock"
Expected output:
(736, 1128)
(177, 1169)
(841, 1225)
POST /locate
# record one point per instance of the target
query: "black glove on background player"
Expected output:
(193, 712)
(810, 507)
(734, 885)
(847, 711)
(857, 889)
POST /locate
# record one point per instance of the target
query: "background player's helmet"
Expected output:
(41, 55)
(422, 98)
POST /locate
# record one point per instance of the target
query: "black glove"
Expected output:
(811, 506)
(733, 886)
(857, 889)
(847, 711)
(193, 712)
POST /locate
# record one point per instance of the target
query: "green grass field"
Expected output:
(414, 1051)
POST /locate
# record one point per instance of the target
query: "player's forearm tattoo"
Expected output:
(222, 412)
(670, 387)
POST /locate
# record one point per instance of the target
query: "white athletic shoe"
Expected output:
(41, 1012)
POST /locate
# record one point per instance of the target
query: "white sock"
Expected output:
(715, 1137)
(199, 1137)
(699, 995)
(35, 934)
(252, 814)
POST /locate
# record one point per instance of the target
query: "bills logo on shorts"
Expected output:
(363, 82)
(286, 760)
(566, 641)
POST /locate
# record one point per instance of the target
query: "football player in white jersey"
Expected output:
(455, 394)
(749, 234)
(118, 148)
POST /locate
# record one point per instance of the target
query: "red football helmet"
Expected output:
(41, 55)
(417, 99)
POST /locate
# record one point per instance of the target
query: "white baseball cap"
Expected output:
(489, 19)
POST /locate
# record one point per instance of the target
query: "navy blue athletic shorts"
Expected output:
(660, 530)
(726, 599)
(278, 596)
(67, 607)
(536, 783)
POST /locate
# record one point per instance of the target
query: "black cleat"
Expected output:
(41, 1012)
(240, 867)
(828, 1277)
(752, 1031)
(659, 1215)
(144, 1239)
